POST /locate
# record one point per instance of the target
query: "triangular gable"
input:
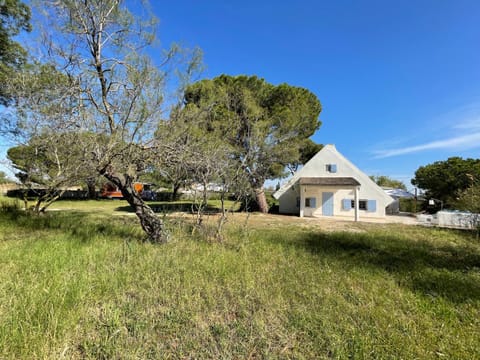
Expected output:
(316, 167)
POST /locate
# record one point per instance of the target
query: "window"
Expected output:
(332, 168)
(362, 204)
(368, 205)
(310, 202)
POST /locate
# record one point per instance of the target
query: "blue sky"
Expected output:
(398, 80)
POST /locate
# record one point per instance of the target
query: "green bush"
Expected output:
(408, 205)
(10, 205)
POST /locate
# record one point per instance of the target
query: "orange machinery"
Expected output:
(110, 191)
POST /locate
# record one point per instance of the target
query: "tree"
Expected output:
(3, 178)
(264, 125)
(469, 200)
(115, 92)
(199, 157)
(47, 166)
(382, 180)
(443, 180)
(14, 18)
(307, 151)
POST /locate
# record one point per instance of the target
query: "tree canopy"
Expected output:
(49, 164)
(443, 180)
(383, 180)
(308, 149)
(14, 18)
(265, 125)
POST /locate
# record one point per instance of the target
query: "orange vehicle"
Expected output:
(110, 191)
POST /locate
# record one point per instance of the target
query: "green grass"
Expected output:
(83, 285)
(121, 206)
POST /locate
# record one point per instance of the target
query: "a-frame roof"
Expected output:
(314, 172)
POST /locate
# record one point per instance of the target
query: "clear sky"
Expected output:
(399, 81)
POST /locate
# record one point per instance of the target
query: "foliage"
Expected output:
(198, 160)
(109, 87)
(3, 178)
(11, 206)
(264, 125)
(14, 18)
(79, 285)
(49, 164)
(382, 180)
(469, 200)
(307, 150)
(443, 180)
(411, 205)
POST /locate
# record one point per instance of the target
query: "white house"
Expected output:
(330, 185)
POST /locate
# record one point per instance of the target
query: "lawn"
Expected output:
(81, 284)
(119, 207)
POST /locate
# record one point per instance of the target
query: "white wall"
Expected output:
(316, 167)
(288, 201)
(338, 196)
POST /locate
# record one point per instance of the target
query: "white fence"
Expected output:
(450, 219)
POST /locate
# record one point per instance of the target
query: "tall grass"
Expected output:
(73, 285)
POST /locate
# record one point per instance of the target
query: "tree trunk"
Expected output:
(92, 194)
(176, 187)
(205, 194)
(150, 222)
(261, 200)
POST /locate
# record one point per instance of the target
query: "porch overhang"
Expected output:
(329, 181)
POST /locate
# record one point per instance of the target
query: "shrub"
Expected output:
(10, 205)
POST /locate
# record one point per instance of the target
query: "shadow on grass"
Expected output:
(167, 208)
(451, 272)
(75, 224)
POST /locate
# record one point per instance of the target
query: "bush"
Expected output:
(408, 205)
(10, 205)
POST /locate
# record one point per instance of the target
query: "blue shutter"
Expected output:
(313, 203)
(347, 204)
(372, 205)
(333, 168)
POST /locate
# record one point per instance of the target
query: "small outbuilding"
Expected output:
(330, 185)
(396, 194)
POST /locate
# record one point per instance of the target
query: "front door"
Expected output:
(327, 204)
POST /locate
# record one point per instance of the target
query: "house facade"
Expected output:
(329, 185)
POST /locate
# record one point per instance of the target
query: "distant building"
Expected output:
(396, 194)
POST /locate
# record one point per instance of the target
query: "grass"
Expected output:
(121, 206)
(80, 284)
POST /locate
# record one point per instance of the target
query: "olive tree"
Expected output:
(199, 157)
(116, 91)
(46, 167)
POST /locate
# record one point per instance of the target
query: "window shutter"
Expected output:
(313, 203)
(347, 204)
(333, 168)
(372, 205)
